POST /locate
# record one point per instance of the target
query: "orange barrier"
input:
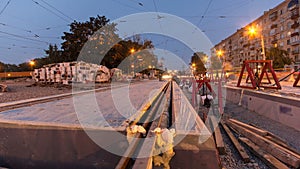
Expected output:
(15, 74)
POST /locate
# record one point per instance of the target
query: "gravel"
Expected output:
(24, 89)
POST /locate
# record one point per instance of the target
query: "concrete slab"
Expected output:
(105, 108)
(284, 109)
(52, 146)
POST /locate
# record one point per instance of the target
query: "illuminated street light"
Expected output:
(205, 59)
(252, 31)
(132, 50)
(220, 53)
(31, 63)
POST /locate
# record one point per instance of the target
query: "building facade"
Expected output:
(278, 27)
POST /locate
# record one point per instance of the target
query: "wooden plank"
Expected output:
(237, 145)
(281, 143)
(283, 154)
(270, 160)
(266, 134)
(274, 138)
(214, 127)
(249, 127)
(219, 141)
(271, 136)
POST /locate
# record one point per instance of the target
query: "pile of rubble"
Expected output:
(71, 72)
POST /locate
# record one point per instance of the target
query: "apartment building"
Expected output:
(278, 27)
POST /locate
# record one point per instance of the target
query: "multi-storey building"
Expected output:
(278, 27)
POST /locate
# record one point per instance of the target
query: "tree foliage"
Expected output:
(54, 54)
(216, 62)
(279, 57)
(120, 54)
(198, 60)
(79, 34)
(8, 67)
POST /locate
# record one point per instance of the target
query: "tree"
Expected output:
(216, 63)
(120, 55)
(9, 67)
(80, 33)
(279, 56)
(54, 55)
(198, 60)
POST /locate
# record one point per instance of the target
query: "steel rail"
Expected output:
(148, 121)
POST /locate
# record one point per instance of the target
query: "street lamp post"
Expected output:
(263, 47)
(220, 54)
(193, 68)
(252, 31)
(132, 51)
(132, 66)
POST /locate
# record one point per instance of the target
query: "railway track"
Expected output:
(166, 131)
(169, 112)
(140, 151)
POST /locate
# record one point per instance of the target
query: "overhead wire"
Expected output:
(235, 5)
(138, 2)
(27, 47)
(231, 8)
(51, 27)
(18, 39)
(158, 18)
(35, 35)
(204, 13)
(28, 31)
(215, 16)
(22, 37)
(44, 37)
(49, 10)
(18, 28)
(128, 6)
(4, 7)
(165, 41)
(51, 6)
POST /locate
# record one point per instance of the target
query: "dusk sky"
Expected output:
(27, 27)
